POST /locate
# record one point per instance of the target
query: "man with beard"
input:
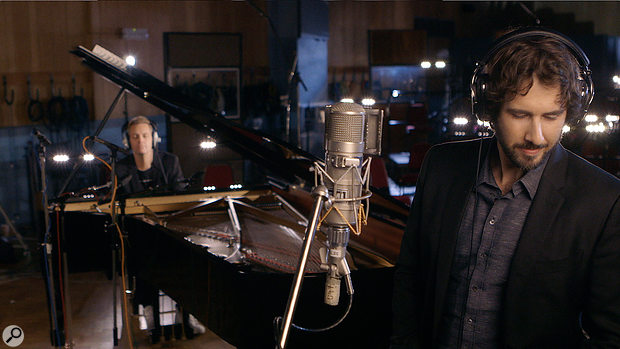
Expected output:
(513, 241)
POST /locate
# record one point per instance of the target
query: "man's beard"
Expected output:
(520, 160)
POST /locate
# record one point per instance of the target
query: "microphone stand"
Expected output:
(46, 248)
(320, 195)
(294, 78)
(115, 244)
(79, 164)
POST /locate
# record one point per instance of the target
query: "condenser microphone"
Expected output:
(345, 126)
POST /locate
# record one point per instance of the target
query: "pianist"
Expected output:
(147, 168)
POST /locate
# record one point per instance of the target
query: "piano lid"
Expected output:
(285, 160)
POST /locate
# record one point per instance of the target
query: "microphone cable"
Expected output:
(124, 307)
(277, 321)
(471, 244)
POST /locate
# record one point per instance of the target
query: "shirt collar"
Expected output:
(529, 180)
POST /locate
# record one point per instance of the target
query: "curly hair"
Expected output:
(512, 68)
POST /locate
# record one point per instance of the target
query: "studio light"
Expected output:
(368, 102)
(208, 144)
(459, 120)
(483, 123)
(591, 118)
(130, 60)
(565, 129)
(600, 128)
(395, 93)
(88, 157)
(612, 118)
(61, 158)
(440, 64)
(425, 64)
(347, 100)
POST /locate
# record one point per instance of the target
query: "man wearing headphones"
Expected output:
(147, 168)
(513, 241)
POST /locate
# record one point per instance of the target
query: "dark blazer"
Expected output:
(565, 270)
(167, 173)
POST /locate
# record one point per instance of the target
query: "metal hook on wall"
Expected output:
(74, 87)
(52, 86)
(6, 99)
(29, 92)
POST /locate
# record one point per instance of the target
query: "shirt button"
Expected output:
(470, 320)
(492, 221)
(474, 288)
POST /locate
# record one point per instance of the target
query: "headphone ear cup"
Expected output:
(126, 140)
(478, 99)
(156, 139)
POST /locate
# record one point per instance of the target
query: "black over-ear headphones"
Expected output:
(154, 134)
(479, 79)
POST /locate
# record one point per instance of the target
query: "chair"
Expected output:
(219, 176)
(416, 155)
(378, 174)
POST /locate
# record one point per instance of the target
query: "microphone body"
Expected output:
(344, 151)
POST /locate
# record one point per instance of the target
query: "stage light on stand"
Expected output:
(425, 64)
(88, 157)
(440, 64)
(347, 100)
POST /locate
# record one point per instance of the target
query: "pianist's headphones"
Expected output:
(140, 120)
(479, 79)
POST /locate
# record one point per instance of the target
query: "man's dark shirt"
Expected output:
(480, 267)
(165, 173)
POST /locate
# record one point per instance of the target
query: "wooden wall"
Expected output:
(36, 37)
(349, 22)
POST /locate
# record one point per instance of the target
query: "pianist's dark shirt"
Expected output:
(165, 173)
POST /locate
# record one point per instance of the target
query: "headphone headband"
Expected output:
(126, 125)
(479, 79)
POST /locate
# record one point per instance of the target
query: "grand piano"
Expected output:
(228, 256)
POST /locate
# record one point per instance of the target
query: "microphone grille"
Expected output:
(347, 108)
(345, 123)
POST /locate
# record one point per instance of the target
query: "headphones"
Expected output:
(134, 121)
(479, 80)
